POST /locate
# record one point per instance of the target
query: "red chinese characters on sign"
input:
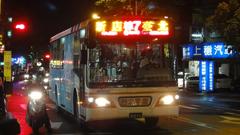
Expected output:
(136, 27)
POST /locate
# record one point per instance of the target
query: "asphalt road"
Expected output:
(210, 114)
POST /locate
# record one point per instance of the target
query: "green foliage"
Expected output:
(226, 22)
(126, 7)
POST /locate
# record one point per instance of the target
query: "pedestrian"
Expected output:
(2, 94)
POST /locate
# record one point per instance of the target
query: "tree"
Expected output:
(127, 7)
(226, 22)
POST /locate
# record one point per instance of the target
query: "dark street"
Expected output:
(215, 114)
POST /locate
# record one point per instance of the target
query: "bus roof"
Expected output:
(69, 31)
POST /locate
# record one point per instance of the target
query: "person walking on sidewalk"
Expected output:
(2, 95)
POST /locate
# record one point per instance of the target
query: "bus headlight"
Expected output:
(167, 100)
(102, 102)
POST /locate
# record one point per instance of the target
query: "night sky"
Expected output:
(45, 18)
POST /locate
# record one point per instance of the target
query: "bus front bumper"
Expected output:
(123, 113)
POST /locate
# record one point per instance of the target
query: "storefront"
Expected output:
(207, 60)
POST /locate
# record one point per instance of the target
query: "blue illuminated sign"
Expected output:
(19, 60)
(206, 76)
(215, 50)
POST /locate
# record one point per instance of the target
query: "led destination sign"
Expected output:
(132, 27)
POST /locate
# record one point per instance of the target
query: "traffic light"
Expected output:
(47, 56)
(20, 26)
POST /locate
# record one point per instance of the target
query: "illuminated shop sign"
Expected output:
(209, 51)
(206, 76)
(132, 27)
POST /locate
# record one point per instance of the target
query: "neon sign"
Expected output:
(132, 27)
(206, 76)
(217, 50)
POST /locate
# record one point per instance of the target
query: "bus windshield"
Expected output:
(130, 65)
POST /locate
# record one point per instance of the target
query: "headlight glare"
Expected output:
(45, 80)
(35, 95)
(177, 97)
(167, 100)
(102, 102)
(90, 99)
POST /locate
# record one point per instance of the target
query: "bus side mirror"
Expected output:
(83, 57)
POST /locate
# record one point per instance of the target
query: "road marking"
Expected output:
(197, 123)
(230, 120)
(23, 106)
(56, 125)
(188, 107)
(231, 113)
(51, 106)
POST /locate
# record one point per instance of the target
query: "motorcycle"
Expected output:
(36, 115)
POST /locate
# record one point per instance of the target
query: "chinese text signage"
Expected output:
(206, 76)
(132, 27)
(8, 66)
(208, 51)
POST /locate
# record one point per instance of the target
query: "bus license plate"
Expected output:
(135, 115)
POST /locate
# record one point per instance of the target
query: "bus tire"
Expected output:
(151, 122)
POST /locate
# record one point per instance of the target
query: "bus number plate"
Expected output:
(135, 115)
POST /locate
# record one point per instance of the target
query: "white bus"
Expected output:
(115, 68)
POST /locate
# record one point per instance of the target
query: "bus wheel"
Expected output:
(151, 122)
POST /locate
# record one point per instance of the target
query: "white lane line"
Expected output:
(197, 123)
(188, 107)
(231, 113)
(51, 106)
(230, 120)
(56, 125)
(23, 106)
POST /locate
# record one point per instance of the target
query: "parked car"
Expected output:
(192, 83)
(222, 81)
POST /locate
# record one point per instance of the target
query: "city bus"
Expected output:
(115, 68)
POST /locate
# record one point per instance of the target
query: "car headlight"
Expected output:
(45, 87)
(167, 100)
(35, 95)
(47, 74)
(26, 76)
(45, 80)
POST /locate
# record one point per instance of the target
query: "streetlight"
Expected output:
(95, 16)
